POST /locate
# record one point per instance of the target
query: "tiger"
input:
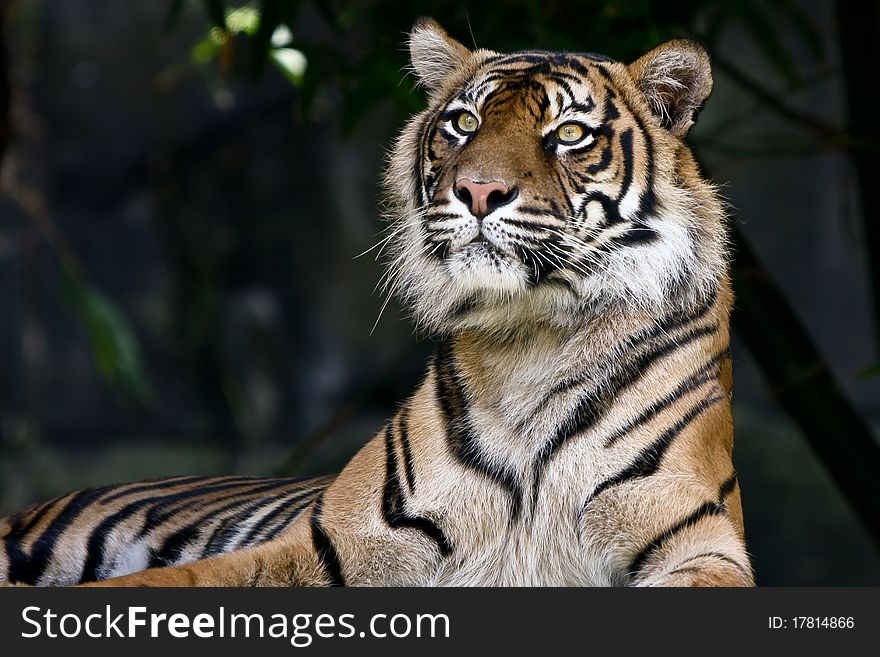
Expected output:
(549, 227)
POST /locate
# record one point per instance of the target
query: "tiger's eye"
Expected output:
(467, 122)
(570, 132)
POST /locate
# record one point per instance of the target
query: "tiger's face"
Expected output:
(543, 187)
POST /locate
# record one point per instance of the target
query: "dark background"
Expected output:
(180, 214)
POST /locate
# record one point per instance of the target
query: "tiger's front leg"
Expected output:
(678, 529)
(703, 548)
(703, 569)
(360, 531)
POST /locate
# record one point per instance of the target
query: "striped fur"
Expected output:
(574, 426)
(116, 530)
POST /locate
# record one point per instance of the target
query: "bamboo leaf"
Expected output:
(291, 62)
(870, 372)
(114, 346)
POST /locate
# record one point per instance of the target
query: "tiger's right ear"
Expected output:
(676, 79)
(434, 54)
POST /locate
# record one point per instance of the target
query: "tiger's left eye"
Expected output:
(568, 133)
(467, 122)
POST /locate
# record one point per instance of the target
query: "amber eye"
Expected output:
(568, 133)
(467, 122)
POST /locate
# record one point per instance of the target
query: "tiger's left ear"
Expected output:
(434, 54)
(676, 79)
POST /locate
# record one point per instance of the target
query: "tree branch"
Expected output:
(858, 29)
(5, 90)
(800, 381)
(771, 100)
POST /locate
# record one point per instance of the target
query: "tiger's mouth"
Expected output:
(482, 247)
(484, 266)
(472, 237)
(481, 239)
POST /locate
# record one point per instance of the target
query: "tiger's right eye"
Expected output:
(467, 122)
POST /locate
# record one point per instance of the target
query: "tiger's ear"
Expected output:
(676, 79)
(434, 54)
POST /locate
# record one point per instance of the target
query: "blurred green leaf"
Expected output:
(204, 51)
(870, 372)
(242, 19)
(114, 345)
(291, 62)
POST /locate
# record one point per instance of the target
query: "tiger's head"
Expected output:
(544, 187)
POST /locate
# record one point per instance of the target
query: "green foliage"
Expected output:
(114, 345)
(268, 33)
(363, 57)
(870, 372)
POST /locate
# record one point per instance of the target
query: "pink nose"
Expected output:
(483, 197)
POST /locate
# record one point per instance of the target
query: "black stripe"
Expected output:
(460, 434)
(227, 512)
(95, 547)
(637, 234)
(593, 406)
(604, 161)
(605, 73)
(648, 460)
(611, 111)
(219, 541)
(626, 146)
(160, 509)
(469, 304)
(266, 520)
(419, 168)
(173, 545)
(160, 484)
(28, 569)
(36, 515)
(671, 322)
(706, 373)
(727, 488)
(393, 503)
(707, 509)
(534, 210)
(527, 225)
(291, 516)
(19, 531)
(324, 547)
(713, 555)
(170, 551)
(648, 198)
(408, 463)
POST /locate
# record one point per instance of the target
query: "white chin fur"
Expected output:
(495, 290)
(477, 268)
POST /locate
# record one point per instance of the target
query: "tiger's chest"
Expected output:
(528, 558)
(516, 484)
(522, 523)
